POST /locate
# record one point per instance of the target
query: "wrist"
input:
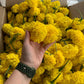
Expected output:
(23, 76)
(32, 65)
(25, 69)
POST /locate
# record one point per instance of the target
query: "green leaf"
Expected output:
(5, 74)
(63, 66)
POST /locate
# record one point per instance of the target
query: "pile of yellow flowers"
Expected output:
(47, 22)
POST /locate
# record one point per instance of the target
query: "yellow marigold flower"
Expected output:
(55, 47)
(58, 15)
(19, 18)
(34, 11)
(40, 3)
(81, 59)
(25, 26)
(1, 79)
(83, 70)
(53, 74)
(20, 33)
(9, 74)
(77, 78)
(75, 61)
(81, 52)
(65, 41)
(40, 70)
(53, 15)
(55, 4)
(60, 59)
(43, 9)
(50, 9)
(77, 68)
(3, 56)
(39, 32)
(10, 16)
(45, 81)
(31, 82)
(37, 78)
(41, 17)
(52, 34)
(23, 6)
(19, 53)
(13, 59)
(68, 66)
(49, 19)
(46, 1)
(49, 61)
(59, 34)
(64, 22)
(70, 51)
(29, 26)
(7, 28)
(31, 19)
(82, 21)
(60, 78)
(32, 3)
(15, 8)
(66, 79)
(77, 24)
(7, 40)
(76, 36)
(15, 45)
(4, 65)
(64, 10)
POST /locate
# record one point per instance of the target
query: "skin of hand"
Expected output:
(32, 52)
(32, 55)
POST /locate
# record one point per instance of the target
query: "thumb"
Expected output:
(27, 37)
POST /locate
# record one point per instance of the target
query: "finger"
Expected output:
(47, 46)
(27, 37)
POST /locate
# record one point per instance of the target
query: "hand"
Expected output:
(32, 52)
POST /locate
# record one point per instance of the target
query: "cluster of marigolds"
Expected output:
(47, 22)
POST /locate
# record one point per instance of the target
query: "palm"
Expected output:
(33, 52)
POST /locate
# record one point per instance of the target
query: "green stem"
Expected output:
(80, 15)
(14, 38)
(81, 67)
(64, 41)
(59, 73)
(23, 18)
(7, 71)
(63, 66)
(68, 28)
(52, 82)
